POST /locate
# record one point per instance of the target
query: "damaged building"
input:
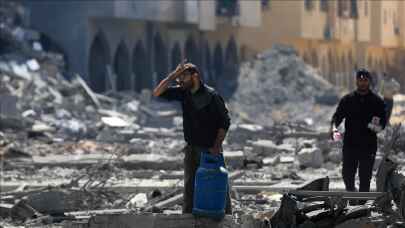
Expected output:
(129, 39)
(83, 143)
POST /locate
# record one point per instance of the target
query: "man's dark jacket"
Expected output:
(204, 112)
(358, 111)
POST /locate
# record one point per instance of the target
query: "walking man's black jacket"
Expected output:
(358, 111)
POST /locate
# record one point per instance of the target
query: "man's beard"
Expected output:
(363, 89)
(187, 86)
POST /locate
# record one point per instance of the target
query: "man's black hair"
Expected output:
(363, 73)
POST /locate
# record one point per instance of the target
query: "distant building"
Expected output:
(140, 41)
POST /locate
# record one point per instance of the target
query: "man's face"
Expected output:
(362, 84)
(185, 81)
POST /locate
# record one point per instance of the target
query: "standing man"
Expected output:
(205, 122)
(364, 116)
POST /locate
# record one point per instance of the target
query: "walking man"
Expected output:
(364, 115)
(205, 121)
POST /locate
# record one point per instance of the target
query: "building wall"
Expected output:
(66, 23)
(256, 39)
(390, 17)
(401, 21)
(363, 21)
(365, 41)
(312, 21)
(376, 22)
(156, 10)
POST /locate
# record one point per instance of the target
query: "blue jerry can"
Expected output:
(210, 187)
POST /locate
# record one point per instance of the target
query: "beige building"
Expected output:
(336, 37)
(130, 45)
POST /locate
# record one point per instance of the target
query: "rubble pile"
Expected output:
(279, 87)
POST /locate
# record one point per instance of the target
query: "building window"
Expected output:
(340, 7)
(365, 7)
(353, 9)
(324, 5)
(228, 8)
(309, 5)
(265, 4)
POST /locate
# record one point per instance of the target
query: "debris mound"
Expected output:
(279, 86)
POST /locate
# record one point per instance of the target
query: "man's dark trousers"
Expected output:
(361, 158)
(192, 156)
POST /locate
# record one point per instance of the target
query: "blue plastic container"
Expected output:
(210, 187)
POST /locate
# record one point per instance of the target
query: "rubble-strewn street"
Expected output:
(71, 157)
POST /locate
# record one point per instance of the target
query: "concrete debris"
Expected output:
(280, 87)
(139, 200)
(310, 157)
(115, 122)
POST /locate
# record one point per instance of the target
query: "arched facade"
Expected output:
(99, 59)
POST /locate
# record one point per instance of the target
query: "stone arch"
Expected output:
(383, 65)
(191, 51)
(337, 72)
(231, 53)
(380, 66)
(324, 67)
(369, 63)
(314, 57)
(143, 78)
(345, 71)
(122, 67)
(231, 70)
(160, 57)
(243, 53)
(332, 68)
(375, 65)
(99, 59)
(351, 69)
(386, 64)
(307, 58)
(208, 72)
(175, 55)
(218, 62)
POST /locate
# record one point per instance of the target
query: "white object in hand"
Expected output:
(337, 136)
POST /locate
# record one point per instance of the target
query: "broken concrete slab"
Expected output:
(287, 159)
(234, 158)
(5, 210)
(271, 160)
(268, 147)
(149, 220)
(115, 122)
(310, 157)
(14, 153)
(139, 200)
(22, 211)
(88, 91)
(48, 202)
(335, 156)
(13, 122)
(8, 105)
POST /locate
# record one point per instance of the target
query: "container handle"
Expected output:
(209, 160)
